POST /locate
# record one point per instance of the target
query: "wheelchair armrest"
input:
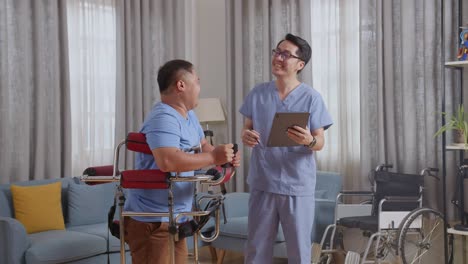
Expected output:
(397, 199)
(357, 193)
(401, 198)
(350, 210)
(353, 193)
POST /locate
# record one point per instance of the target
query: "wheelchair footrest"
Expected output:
(316, 252)
(352, 258)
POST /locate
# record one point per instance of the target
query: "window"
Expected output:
(336, 71)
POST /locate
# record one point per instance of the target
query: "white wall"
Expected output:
(210, 55)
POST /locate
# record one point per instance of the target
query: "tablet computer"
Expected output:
(281, 122)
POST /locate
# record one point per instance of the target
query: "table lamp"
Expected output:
(209, 110)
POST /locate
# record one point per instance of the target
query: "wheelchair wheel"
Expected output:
(421, 239)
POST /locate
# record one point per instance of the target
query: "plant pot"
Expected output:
(458, 136)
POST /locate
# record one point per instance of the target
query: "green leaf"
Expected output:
(456, 121)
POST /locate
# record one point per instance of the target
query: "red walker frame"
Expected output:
(156, 179)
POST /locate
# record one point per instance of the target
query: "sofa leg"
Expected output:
(222, 253)
(213, 254)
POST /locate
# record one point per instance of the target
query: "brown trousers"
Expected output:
(149, 243)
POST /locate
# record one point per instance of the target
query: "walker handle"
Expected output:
(229, 164)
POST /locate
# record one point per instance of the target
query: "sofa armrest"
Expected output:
(324, 216)
(13, 241)
(329, 181)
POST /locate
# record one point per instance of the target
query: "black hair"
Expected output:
(170, 71)
(303, 48)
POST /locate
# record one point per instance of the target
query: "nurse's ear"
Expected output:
(301, 65)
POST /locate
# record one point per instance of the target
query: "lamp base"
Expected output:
(208, 133)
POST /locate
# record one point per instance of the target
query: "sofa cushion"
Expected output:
(101, 231)
(237, 227)
(89, 204)
(60, 246)
(38, 208)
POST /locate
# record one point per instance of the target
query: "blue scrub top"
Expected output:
(165, 127)
(283, 170)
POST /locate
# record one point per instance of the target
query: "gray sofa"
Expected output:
(233, 234)
(85, 239)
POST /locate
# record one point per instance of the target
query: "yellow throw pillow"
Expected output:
(39, 207)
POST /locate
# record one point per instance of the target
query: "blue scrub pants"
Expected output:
(266, 211)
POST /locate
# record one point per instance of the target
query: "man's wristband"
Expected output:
(312, 143)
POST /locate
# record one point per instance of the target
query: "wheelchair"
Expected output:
(156, 179)
(395, 227)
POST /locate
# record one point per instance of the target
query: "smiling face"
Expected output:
(286, 67)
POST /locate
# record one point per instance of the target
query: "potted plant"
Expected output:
(458, 124)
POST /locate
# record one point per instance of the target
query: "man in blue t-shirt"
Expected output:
(170, 127)
(282, 179)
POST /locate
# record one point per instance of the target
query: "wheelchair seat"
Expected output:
(369, 223)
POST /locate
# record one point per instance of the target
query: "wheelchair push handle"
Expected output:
(430, 172)
(384, 166)
(380, 167)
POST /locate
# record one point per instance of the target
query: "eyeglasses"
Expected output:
(283, 54)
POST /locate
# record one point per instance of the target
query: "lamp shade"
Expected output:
(209, 110)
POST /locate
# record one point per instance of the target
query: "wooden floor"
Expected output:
(230, 258)
(460, 254)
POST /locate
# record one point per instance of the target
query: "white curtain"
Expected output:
(335, 71)
(92, 53)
